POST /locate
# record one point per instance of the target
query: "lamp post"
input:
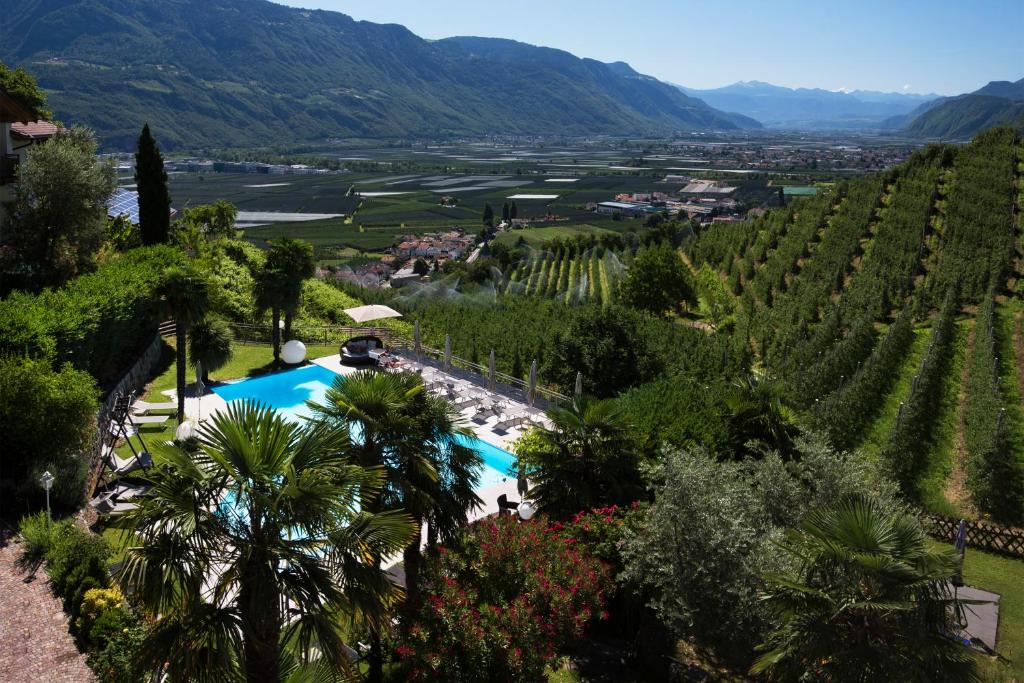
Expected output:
(47, 481)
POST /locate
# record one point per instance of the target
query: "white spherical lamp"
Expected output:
(526, 510)
(293, 352)
(186, 430)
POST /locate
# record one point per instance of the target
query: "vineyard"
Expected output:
(888, 308)
(571, 274)
(886, 313)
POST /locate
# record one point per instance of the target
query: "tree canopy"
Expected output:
(22, 86)
(657, 281)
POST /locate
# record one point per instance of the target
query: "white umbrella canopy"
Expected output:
(364, 314)
(531, 394)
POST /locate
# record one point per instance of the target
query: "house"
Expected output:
(19, 130)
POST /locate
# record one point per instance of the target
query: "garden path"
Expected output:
(36, 645)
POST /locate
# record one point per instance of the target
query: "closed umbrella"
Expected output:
(579, 384)
(960, 545)
(531, 393)
(447, 352)
(416, 339)
(491, 377)
(200, 388)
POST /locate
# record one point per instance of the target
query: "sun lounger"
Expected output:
(109, 504)
(143, 406)
(506, 422)
(148, 419)
(121, 466)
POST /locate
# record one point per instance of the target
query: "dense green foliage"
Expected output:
(98, 322)
(48, 417)
(909, 442)
(154, 199)
(868, 598)
(657, 281)
(702, 545)
(57, 220)
(977, 233)
(330, 76)
(996, 475)
(22, 86)
(585, 459)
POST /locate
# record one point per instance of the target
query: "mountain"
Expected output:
(810, 108)
(997, 103)
(245, 72)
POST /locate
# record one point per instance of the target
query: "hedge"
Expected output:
(97, 322)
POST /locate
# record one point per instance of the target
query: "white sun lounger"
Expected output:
(142, 406)
(122, 466)
(148, 419)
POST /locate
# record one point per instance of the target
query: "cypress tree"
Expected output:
(151, 183)
(504, 212)
(488, 215)
(513, 212)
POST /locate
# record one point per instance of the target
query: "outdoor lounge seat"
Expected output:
(506, 506)
(148, 419)
(143, 406)
(121, 466)
(506, 422)
(357, 350)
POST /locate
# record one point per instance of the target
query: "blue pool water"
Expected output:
(288, 391)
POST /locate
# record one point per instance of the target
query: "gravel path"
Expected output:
(34, 640)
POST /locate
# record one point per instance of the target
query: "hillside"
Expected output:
(878, 303)
(235, 72)
(811, 108)
(997, 103)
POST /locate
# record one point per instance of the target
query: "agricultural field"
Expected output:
(889, 309)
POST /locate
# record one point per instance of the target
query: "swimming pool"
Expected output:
(288, 391)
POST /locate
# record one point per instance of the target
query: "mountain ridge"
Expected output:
(813, 108)
(996, 103)
(227, 72)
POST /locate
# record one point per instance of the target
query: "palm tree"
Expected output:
(757, 414)
(184, 297)
(253, 547)
(279, 284)
(585, 459)
(209, 344)
(868, 600)
(414, 436)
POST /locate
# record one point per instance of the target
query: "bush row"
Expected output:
(844, 414)
(906, 449)
(97, 322)
(994, 476)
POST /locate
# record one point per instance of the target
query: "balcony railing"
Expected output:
(8, 168)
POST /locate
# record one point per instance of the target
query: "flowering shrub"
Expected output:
(503, 603)
(600, 531)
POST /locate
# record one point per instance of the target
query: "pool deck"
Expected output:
(211, 403)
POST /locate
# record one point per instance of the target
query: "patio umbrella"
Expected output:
(491, 378)
(364, 314)
(579, 384)
(447, 353)
(200, 388)
(960, 545)
(416, 345)
(531, 393)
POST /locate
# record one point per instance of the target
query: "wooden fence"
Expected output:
(981, 535)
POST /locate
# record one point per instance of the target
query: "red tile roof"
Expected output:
(36, 130)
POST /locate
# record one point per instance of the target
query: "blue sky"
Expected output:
(915, 45)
